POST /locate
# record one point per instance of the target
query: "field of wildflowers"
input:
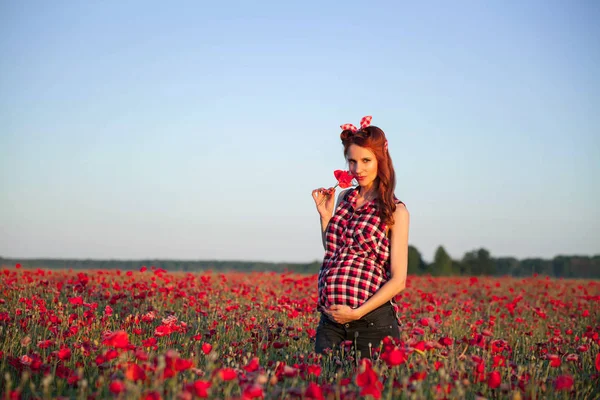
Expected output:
(154, 334)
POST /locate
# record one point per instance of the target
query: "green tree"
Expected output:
(416, 265)
(560, 266)
(537, 266)
(442, 263)
(507, 266)
(478, 262)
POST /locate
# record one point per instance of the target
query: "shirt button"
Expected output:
(347, 325)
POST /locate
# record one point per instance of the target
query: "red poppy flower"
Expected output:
(313, 392)
(118, 340)
(76, 301)
(73, 379)
(420, 346)
(227, 374)
(253, 365)
(45, 344)
(598, 362)
(149, 342)
(564, 382)
(480, 367)
(394, 357)
(134, 373)
(163, 330)
(201, 388)
(206, 348)
(111, 355)
(494, 379)
(182, 364)
(141, 355)
(116, 387)
(344, 178)
(64, 353)
(499, 361)
(314, 369)
(554, 360)
(253, 392)
(63, 372)
(368, 380)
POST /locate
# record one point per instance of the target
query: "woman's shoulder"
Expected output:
(401, 217)
(401, 212)
(398, 202)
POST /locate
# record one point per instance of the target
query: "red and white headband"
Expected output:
(364, 123)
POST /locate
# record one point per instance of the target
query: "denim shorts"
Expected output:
(365, 333)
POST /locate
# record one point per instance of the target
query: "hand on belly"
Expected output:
(341, 314)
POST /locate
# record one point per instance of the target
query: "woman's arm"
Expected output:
(324, 224)
(325, 219)
(399, 269)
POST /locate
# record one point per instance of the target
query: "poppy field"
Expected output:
(154, 334)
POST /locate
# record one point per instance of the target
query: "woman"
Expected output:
(366, 248)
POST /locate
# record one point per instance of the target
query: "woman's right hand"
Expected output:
(324, 200)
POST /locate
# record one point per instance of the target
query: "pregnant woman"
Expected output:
(366, 248)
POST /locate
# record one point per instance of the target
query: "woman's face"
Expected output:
(362, 164)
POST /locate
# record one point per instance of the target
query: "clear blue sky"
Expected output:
(196, 130)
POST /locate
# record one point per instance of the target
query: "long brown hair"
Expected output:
(374, 139)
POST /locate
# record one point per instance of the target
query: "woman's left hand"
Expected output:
(342, 314)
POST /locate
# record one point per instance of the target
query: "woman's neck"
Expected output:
(368, 193)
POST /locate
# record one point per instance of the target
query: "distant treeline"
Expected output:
(480, 262)
(476, 262)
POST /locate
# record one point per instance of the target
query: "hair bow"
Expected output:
(364, 122)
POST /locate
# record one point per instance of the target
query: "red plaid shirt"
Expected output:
(357, 255)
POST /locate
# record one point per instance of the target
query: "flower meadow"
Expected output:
(154, 334)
